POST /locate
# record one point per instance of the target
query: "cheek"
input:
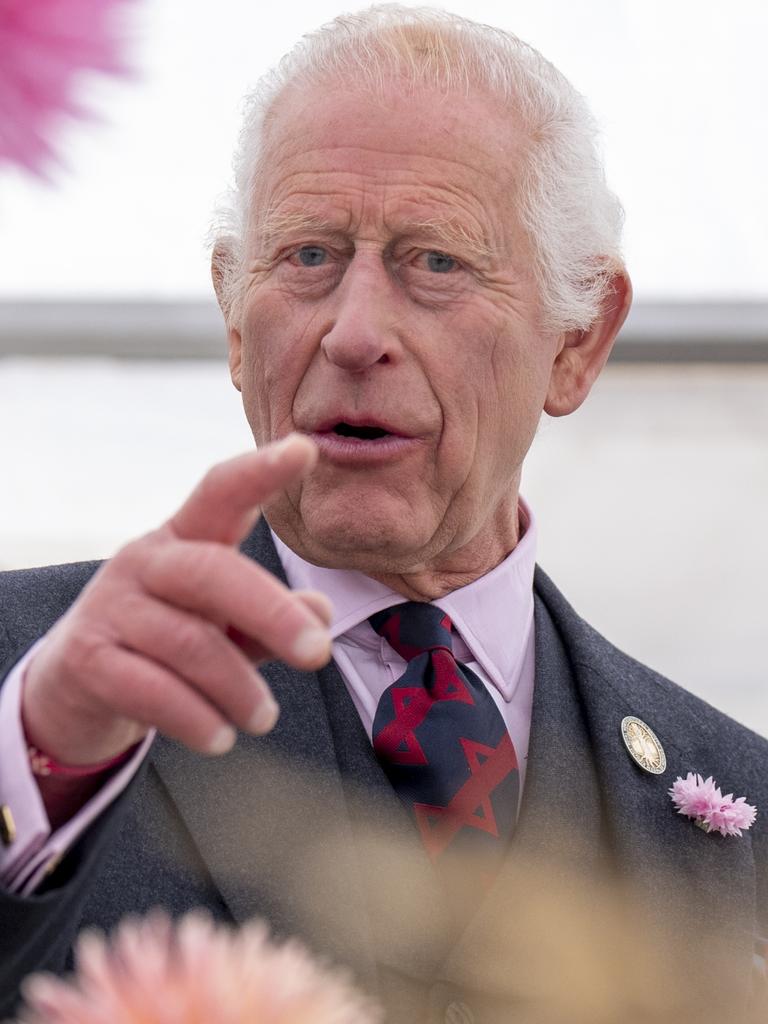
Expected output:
(521, 372)
(500, 393)
(275, 358)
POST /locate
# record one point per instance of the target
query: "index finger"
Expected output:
(225, 504)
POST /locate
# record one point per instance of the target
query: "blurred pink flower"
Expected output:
(703, 801)
(195, 972)
(43, 46)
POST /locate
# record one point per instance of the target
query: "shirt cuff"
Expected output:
(36, 851)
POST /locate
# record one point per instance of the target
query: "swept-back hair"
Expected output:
(571, 217)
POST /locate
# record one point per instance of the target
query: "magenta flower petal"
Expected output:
(45, 44)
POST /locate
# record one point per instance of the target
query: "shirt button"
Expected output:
(458, 1013)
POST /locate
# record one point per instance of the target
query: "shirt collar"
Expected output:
(493, 614)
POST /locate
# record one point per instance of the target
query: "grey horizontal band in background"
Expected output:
(193, 329)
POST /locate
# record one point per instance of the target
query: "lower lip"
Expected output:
(357, 451)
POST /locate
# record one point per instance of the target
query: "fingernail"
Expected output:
(265, 715)
(223, 740)
(318, 603)
(311, 643)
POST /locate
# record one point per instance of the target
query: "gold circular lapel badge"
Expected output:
(643, 745)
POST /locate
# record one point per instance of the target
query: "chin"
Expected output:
(342, 532)
(369, 544)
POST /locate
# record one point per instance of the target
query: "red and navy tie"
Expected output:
(442, 741)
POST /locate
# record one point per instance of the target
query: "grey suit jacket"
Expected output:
(299, 826)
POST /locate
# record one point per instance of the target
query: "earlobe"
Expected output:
(235, 345)
(564, 395)
(583, 354)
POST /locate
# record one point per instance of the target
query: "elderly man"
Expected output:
(420, 257)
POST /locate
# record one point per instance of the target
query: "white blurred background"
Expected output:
(679, 89)
(652, 500)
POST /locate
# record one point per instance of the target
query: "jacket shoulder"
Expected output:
(31, 600)
(715, 743)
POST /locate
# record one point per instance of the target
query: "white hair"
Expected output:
(570, 215)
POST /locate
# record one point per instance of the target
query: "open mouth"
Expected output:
(362, 444)
(360, 432)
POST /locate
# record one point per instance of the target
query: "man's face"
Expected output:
(390, 312)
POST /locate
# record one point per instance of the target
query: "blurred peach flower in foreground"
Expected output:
(153, 971)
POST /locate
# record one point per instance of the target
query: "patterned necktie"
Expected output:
(442, 741)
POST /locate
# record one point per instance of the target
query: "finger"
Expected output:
(223, 585)
(225, 504)
(140, 690)
(315, 600)
(198, 652)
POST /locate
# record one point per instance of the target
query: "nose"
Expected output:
(362, 332)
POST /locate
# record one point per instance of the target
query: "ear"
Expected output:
(222, 260)
(583, 354)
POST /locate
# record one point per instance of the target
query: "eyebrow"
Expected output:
(447, 233)
(278, 223)
(455, 237)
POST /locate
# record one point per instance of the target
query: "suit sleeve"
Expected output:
(37, 929)
(20, 798)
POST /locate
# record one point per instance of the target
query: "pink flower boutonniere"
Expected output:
(702, 800)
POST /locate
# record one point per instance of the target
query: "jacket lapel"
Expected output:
(562, 794)
(710, 879)
(559, 829)
(406, 906)
(703, 884)
(270, 818)
(696, 884)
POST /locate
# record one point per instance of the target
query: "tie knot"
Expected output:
(413, 628)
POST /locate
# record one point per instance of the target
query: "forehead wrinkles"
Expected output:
(302, 199)
(345, 203)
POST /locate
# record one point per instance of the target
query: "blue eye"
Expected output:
(311, 255)
(439, 263)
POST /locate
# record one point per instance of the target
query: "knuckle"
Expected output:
(210, 485)
(194, 642)
(281, 615)
(133, 607)
(204, 558)
(193, 566)
(130, 556)
(163, 566)
(132, 618)
(81, 653)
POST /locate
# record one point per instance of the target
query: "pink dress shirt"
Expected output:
(492, 633)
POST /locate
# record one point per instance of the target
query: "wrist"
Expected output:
(44, 766)
(65, 789)
(74, 745)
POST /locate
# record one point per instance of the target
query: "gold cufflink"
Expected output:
(52, 864)
(7, 825)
